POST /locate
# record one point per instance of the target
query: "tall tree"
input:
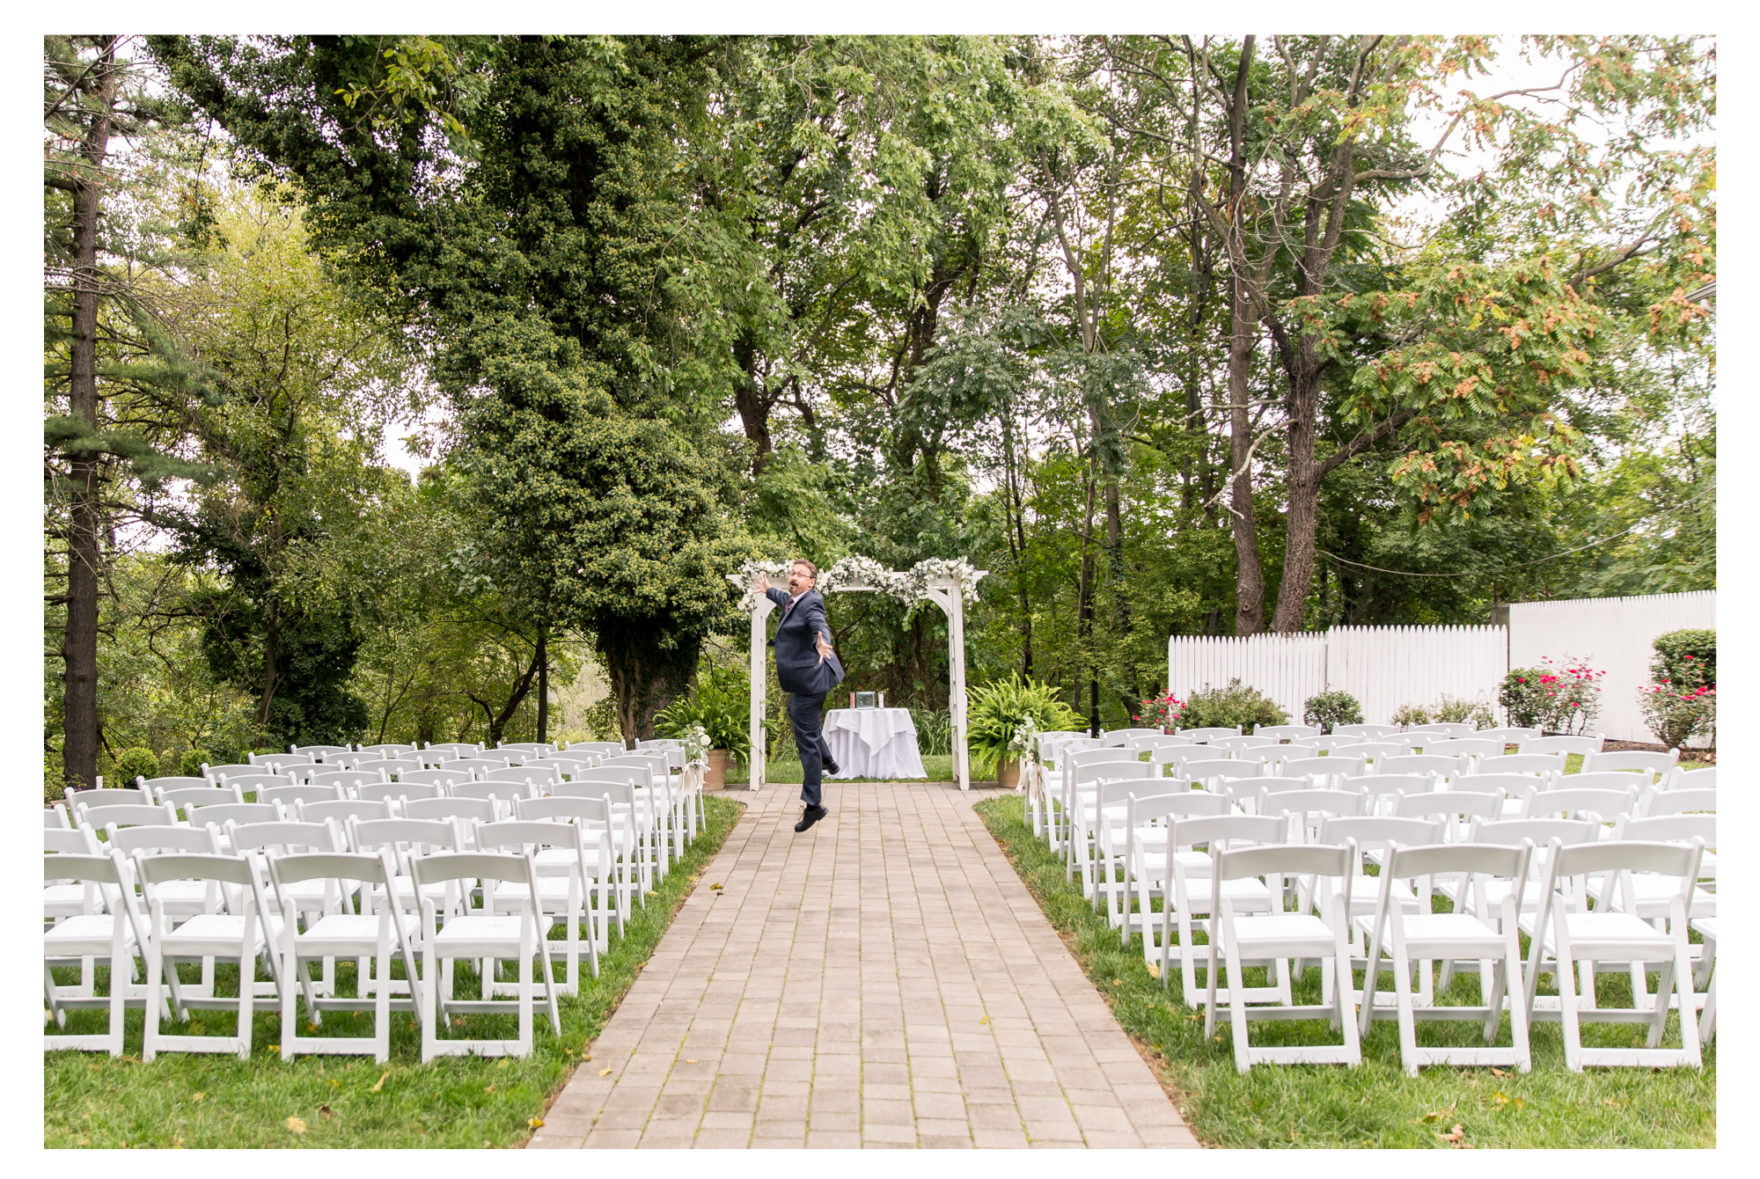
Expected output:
(517, 199)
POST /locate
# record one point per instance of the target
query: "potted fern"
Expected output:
(994, 719)
(717, 706)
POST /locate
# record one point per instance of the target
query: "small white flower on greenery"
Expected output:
(696, 743)
(1025, 741)
(866, 573)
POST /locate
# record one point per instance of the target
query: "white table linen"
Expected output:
(873, 743)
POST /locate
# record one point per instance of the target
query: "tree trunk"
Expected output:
(1085, 612)
(1017, 542)
(1249, 603)
(543, 660)
(1302, 522)
(79, 640)
(753, 406)
(645, 679)
(271, 659)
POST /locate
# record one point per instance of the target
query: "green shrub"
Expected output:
(720, 702)
(1458, 710)
(134, 762)
(934, 731)
(1232, 706)
(1410, 716)
(1553, 698)
(601, 718)
(997, 708)
(1685, 656)
(190, 764)
(1332, 708)
(1682, 702)
(1162, 712)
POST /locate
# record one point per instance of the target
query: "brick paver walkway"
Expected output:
(883, 980)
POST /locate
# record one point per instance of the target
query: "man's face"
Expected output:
(799, 580)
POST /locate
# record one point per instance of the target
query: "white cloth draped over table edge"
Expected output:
(873, 743)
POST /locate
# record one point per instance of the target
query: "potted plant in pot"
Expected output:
(717, 705)
(993, 721)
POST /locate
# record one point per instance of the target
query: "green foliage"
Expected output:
(1685, 657)
(1450, 710)
(1332, 708)
(131, 763)
(1556, 699)
(1230, 706)
(1461, 711)
(934, 731)
(720, 703)
(1408, 716)
(998, 707)
(602, 720)
(1682, 703)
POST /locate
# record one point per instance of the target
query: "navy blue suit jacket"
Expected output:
(798, 668)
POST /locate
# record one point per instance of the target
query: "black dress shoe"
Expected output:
(810, 816)
(830, 766)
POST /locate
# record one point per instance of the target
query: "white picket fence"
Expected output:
(1382, 666)
(1387, 666)
(1611, 635)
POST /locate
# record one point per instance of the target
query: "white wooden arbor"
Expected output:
(945, 591)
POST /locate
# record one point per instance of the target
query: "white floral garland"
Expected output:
(867, 573)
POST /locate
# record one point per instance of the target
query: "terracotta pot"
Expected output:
(1008, 773)
(715, 776)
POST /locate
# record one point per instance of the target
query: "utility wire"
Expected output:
(1525, 564)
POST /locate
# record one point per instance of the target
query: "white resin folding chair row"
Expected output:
(1085, 766)
(1700, 777)
(1090, 787)
(1584, 744)
(1148, 814)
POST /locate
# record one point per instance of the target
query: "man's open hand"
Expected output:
(824, 647)
(763, 582)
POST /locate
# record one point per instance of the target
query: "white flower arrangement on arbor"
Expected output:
(857, 572)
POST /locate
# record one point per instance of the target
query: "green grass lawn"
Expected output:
(337, 1101)
(1375, 1104)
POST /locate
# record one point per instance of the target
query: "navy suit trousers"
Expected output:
(803, 712)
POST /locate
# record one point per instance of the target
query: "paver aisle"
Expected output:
(883, 980)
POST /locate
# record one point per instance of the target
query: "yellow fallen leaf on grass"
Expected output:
(1154, 970)
(296, 1125)
(534, 1123)
(489, 1089)
(380, 1083)
(198, 1096)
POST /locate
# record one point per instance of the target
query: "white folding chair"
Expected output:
(1276, 937)
(616, 787)
(609, 847)
(340, 810)
(181, 798)
(1209, 734)
(1594, 938)
(1191, 907)
(388, 750)
(110, 931)
(339, 932)
(454, 930)
(1441, 730)
(1147, 874)
(1707, 930)
(1547, 765)
(1365, 732)
(559, 858)
(1678, 802)
(1585, 744)
(241, 930)
(1444, 768)
(1402, 939)
(466, 813)
(401, 791)
(1650, 768)
(251, 785)
(1382, 792)
(1287, 732)
(1457, 807)
(1083, 808)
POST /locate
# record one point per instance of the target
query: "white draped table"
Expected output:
(873, 743)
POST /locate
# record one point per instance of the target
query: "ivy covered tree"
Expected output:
(516, 199)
